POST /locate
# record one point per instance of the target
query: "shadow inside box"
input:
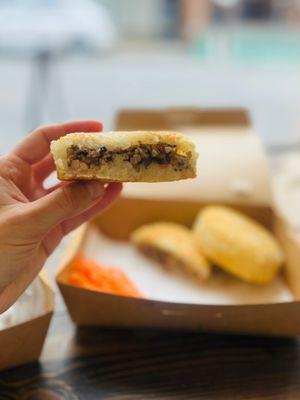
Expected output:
(142, 364)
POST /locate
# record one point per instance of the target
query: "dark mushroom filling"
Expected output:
(165, 259)
(137, 156)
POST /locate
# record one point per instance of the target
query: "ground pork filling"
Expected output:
(167, 260)
(137, 156)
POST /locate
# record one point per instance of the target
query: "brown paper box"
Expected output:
(23, 343)
(246, 187)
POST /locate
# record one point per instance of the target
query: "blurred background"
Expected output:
(72, 59)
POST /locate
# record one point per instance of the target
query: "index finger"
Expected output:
(37, 145)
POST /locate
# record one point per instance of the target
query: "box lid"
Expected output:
(232, 166)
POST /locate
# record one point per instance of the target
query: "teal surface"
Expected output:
(250, 45)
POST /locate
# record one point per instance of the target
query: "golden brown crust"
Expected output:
(66, 177)
(238, 244)
(61, 175)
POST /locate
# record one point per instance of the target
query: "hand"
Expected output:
(33, 220)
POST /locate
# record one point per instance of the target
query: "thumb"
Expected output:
(65, 202)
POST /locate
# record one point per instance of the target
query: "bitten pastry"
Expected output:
(173, 246)
(135, 156)
(238, 244)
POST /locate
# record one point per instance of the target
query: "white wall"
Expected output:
(142, 18)
(97, 88)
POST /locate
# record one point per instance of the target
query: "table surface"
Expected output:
(95, 363)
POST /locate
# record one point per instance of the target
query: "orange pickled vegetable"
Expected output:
(86, 273)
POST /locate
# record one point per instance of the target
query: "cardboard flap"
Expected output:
(206, 117)
(232, 167)
(173, 118)
(23, 342)
(290, 243)
(136, 212)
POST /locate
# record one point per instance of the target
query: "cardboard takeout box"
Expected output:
(23, 342)
(232, 170)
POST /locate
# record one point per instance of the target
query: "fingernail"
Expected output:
(96, 189)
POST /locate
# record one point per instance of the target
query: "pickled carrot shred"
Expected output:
(89, 274)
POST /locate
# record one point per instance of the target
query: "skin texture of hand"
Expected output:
(33, 220)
